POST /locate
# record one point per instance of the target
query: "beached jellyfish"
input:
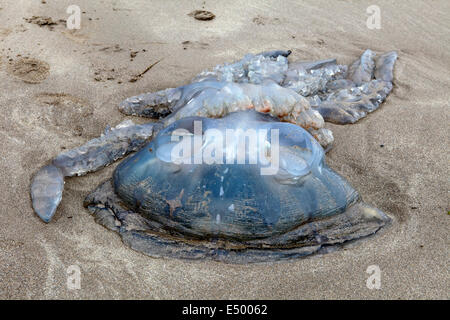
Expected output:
(234, 169)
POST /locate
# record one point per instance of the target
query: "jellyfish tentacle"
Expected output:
(267, 83)
(46, 191)
(312, 65)
(48, 183)
(153, 104)
(362, 70)
(348, 105)
(309, 78)
(275, 53)
(220, 99)
(369, 82)
(384, 66)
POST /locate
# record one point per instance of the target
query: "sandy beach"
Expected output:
(60, 88)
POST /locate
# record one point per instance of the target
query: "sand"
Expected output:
(47, 111)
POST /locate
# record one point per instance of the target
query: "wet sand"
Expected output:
(397, 157)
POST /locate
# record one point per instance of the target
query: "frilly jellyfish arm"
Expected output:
(153, 104)
(311, 78)
(46, 191)
(227, 97)
(361, 70)
(104, 150)
(252, 68)
(384, 66)
(349, 105)
(48, 183)
(369, 82)
(311, 65)
(269, 65)
(275, 53)
(266, 83)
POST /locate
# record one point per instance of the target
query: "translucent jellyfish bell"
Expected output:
(288, 150)
(287, 203)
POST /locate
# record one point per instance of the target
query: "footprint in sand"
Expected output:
(62, 112)
(261, 21)
(4, 32)
(194, 45)
(29, 70)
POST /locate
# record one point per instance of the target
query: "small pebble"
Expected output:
(202, 15)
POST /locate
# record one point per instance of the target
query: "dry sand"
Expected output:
(408, 178)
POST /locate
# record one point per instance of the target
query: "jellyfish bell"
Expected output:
(177, 206)
(246, 188)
